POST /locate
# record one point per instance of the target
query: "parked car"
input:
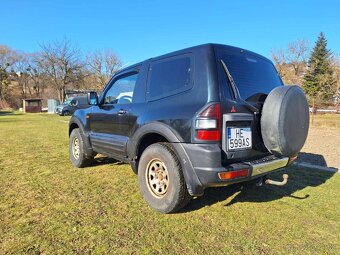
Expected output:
(206, 116)
(71, 105)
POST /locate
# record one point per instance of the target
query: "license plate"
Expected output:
(239, 138)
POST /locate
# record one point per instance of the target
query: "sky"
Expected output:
(138, 30)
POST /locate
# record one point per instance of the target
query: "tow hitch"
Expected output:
(277, 183)
(264, 180)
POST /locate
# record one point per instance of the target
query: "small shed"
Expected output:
(32, 105)
(52, 105)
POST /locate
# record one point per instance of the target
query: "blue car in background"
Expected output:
(71, 105)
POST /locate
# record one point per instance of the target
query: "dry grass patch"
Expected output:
(49, 207)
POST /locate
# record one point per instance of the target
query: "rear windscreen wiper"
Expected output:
(234, 88)
(230, 78)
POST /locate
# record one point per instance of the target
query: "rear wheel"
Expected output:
(77, 149)
(161, 179)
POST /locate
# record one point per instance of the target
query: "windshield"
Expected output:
(68, 101)
(253, 76)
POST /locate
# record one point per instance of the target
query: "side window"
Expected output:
(121, 91)
(32, 103)
(169, 76)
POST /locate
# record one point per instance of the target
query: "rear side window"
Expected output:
(169, 76)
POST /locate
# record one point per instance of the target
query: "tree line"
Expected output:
(60, 66)
(48, 73)
(316, 70)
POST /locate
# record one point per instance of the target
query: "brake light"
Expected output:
(208, 135)
(208, 123)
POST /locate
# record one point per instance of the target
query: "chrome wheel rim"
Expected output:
(157, 178)
(76, 148)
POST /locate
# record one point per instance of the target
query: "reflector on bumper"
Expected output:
(233, 174)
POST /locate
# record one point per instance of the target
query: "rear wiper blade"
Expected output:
(230, 78)
(234, 89)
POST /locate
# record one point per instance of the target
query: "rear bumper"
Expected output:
(206, 164)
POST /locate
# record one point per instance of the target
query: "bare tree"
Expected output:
(36, 72)
(8, 58)
(22, 76)
(297, 53)
(102, 65)
(61, 62)
(291, 62)
(279, 59)
(336, 68)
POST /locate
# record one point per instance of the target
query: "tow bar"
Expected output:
(284, 182)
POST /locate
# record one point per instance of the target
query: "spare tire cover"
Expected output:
(285, 120)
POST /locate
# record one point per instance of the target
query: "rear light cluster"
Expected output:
(207, 125)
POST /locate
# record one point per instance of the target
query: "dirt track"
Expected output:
(322, 147)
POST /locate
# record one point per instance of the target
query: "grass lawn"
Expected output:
(326, 120)
(49, 207)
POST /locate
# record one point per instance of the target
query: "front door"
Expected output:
(110, 118)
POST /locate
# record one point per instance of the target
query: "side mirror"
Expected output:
(73, 103)
(92, 98)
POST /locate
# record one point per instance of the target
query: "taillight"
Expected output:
(207, 124)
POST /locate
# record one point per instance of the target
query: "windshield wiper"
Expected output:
(234, 89)
(230, 78)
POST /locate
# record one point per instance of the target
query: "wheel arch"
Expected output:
(151, 133)
(72, 126)
(76, 123)
(160, 132)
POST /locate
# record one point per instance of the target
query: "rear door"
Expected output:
(111, 118)
(254, 77)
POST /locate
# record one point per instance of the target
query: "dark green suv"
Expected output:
(206, 116)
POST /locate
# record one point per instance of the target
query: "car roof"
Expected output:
(207, 46)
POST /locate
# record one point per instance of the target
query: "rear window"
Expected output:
(169, 76)
(253, 75)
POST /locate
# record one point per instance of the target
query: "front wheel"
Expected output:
(77, 149)
(66, 113)
(161, 179)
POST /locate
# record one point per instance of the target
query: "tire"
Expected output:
(159, 164)
(78, 156)
(285, 120)
(66, 113)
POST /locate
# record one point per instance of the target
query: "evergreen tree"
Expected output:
(319, 82)
(4, 81)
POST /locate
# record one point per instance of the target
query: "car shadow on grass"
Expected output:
(299, 178)
(4, 113)
(313, 159)
(9, 116)
(102, 160)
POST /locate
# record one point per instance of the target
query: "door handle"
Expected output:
(121, 112)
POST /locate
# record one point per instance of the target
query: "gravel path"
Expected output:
(322, 147)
